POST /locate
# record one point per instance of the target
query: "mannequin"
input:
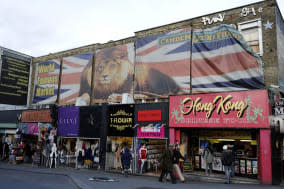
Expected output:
(53, 155)
(142, 156)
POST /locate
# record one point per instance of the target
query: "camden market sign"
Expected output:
(244, 109)
(121, 120)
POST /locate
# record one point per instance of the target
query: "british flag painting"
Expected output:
(216, 60)
(46, 82)
(222, 61)
(162, 64)
(72, 70)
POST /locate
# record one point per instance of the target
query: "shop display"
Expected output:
(155, 148)
(197, 166)
(249, 167)
(243, 166)
(254, 167)
(237, 166)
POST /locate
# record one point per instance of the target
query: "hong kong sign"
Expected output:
(245, 109)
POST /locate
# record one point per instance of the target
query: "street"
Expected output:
(12, 179)
(17, 176)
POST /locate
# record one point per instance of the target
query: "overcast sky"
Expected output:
(38, 27)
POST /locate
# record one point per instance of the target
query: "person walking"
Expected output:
(227, 159)
(126, 160)
(176, 157)
(208, 157)
(166, 164)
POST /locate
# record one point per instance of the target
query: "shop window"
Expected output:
(251, 30)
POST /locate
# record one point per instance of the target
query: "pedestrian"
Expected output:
(208, 157)
(166, 164)
(176, 157)
(126, 160)
(227, 159)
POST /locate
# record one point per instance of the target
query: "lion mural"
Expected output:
(114, 75)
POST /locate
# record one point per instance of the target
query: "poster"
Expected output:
(46, 82)
(222, 61)
(76, 75)
(162, 65)
(217, 164)
(15, 72)
(114, 68)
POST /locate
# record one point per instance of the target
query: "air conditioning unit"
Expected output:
(277, 121)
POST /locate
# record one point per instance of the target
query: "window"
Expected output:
(252, 33)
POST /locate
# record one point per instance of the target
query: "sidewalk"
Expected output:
(80, 177)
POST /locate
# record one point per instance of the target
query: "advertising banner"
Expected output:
(121, 120)
(91, 119)
(14, 81)
(46, 82)
(244, 109)
(68, 121)
(114, 73)
(162, 64)
(33, 128)
(36, 116)
(151, 131)
(75, 73)
(222, 61)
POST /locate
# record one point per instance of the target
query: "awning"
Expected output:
(8, 126)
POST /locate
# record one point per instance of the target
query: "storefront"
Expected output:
(238, 119)
(120, 133)
(151, 123)
(8, 124)
(68, 128)
(90, 136)
(40, 121)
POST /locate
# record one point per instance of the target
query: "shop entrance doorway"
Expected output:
(243, 144)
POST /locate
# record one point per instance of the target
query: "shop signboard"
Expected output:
(243, 109)
(151, 131)
(68, 121)
(91, 121)
(149, 115)
(120, 120)
(36, 116)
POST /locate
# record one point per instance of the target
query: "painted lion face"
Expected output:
(112, 70)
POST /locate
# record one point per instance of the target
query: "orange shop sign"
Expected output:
(36, 116)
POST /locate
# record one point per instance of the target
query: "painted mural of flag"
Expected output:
(46, 82)
(162, 64)
(72, 69)
(222, 61)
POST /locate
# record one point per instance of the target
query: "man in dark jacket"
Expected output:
(167, 164)
(176, 157)
(227, 160)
